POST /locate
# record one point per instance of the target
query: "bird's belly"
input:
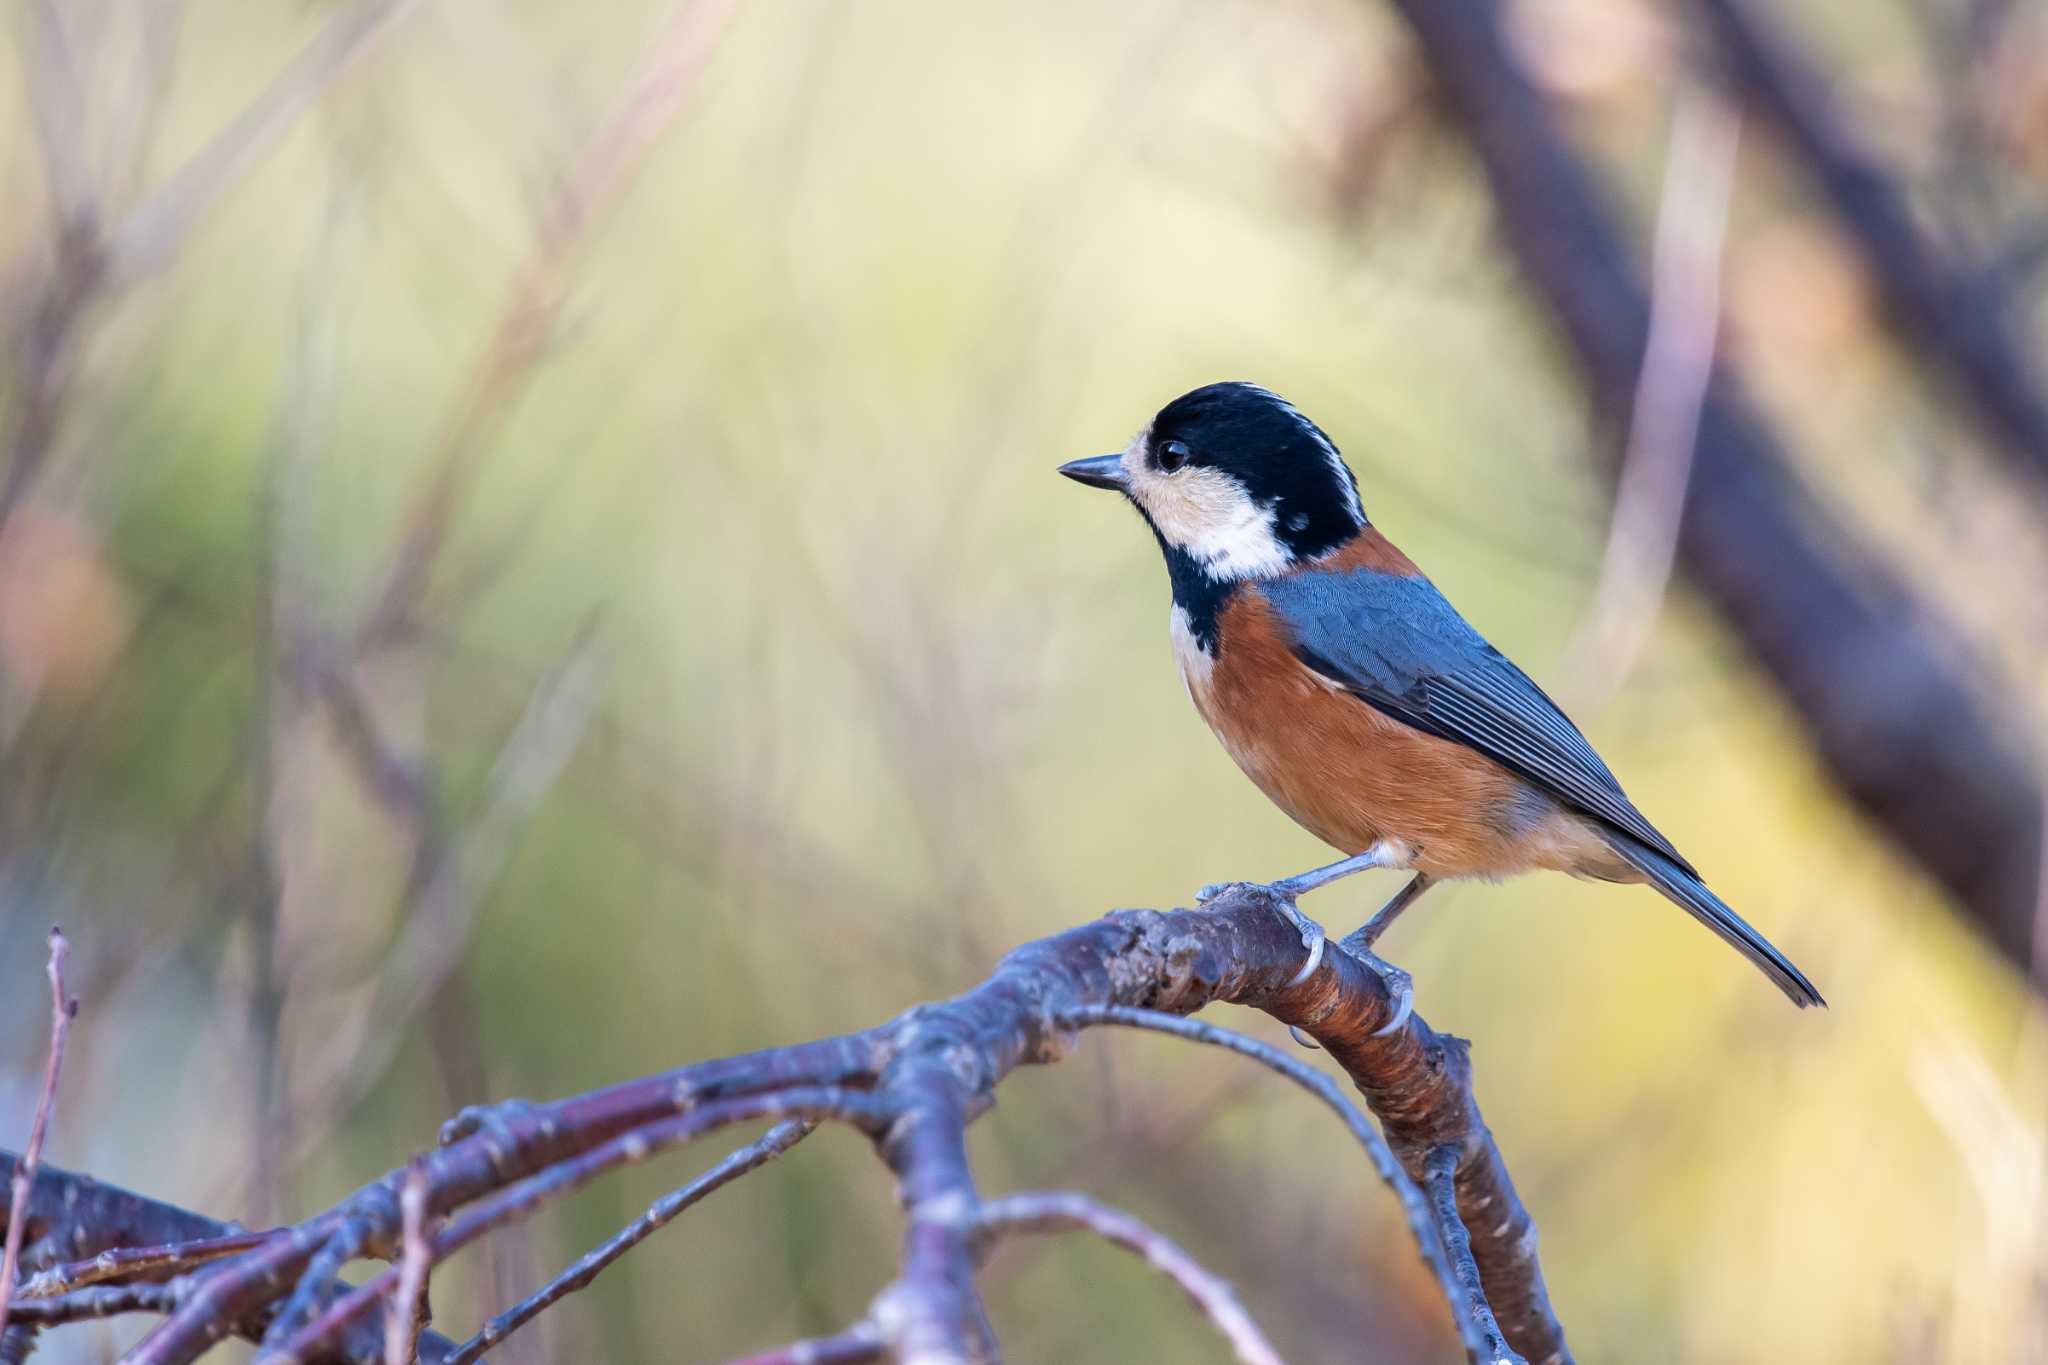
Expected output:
(1355, 777)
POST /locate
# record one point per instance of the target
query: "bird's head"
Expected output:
(1235, 482)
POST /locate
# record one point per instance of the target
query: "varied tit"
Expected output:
(1354, 694)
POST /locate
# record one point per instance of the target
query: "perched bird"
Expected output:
(1352, 692)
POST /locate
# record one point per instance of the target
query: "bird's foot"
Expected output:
(1400, 989)
(1313, 936)
(1400, 986)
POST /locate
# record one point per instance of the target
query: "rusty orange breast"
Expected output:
(1347, 772)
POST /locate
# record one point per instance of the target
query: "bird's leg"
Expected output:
(1360, 940)
(1358, 943)
(1313, 936)
(1379, 855)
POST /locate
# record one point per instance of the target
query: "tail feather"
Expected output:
(1691, 895)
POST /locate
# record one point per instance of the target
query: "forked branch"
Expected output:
(912, 1086)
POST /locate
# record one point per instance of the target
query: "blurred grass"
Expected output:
(887, 697)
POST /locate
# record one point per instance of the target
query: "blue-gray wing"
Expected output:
(1396, 643)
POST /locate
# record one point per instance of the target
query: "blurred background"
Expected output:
(529, 555)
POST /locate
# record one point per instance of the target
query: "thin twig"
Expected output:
(404, 1315)
(450, 877)
(520, 1201)
(149, 238)
(602, 170)
(94, 261)
(63, 1009)
(1066, 1211)
(1414, 1205)
(914, 1085)
(1441, 1171)
(760, 1152)
(341, 1245)
(94, 1301)
(124, 1263)
(861, 1342)
(58, 105)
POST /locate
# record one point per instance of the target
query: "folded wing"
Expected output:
(1396, 643)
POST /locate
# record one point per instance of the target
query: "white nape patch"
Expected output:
(1208, 514)
(1330, 452)
(1196, 663)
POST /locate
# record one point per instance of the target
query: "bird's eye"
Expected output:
(1173, 455)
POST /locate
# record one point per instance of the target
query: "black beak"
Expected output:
(1097, 471)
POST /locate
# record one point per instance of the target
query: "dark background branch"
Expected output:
(1910, 732)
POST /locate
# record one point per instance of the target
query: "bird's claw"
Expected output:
(1313, 938)
(1400, 989)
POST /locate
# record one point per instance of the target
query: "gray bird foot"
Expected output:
(1400, 986)
(1313, 936)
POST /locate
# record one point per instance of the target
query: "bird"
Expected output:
(1356, 697)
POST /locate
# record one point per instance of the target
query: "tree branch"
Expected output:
(1065, 1211)
(913, 1086)
(1942, 307)
(774, 1143)
(127, 1236)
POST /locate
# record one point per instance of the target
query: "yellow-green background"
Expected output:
(885, 696)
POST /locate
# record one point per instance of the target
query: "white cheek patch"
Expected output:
(1208, 514)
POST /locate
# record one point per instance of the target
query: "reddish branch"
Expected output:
(913, 1086)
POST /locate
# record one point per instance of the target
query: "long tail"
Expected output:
(1686, 891)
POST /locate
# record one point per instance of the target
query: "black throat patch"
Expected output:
(1198, 594)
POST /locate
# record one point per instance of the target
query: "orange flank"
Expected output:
(1354, 777)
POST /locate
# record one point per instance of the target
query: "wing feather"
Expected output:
(1397, 644)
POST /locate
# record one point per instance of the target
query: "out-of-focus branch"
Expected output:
(1945, 308)
(149, 238)
(451, 872)
(93, 260)
(593, 183)
(58, 104)
(62, 1010)
(1678, 362)
(913, 1086)
(1908, 734)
